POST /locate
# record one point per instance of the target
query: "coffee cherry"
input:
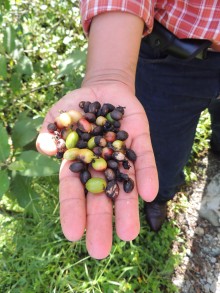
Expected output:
(130, 154)
(72, 139)
(109, 117)
(109, 174)
(85, 155)
(116, 115)
(112, 164)
(97, 151)
(77, 167)
(84, 125)
(75, 115)
(100, 120)
(128, 185)
(99, 164)
(91, 117)
(118, 156)
(120, 109)
(59, 155)
(116, 124)
(86, 106)
(63, 120)
(126, 165)
(118, 145)
(51, 127)
(96, 185)
(110, 136)
(100, 141)
(81, 144)
(65, 132)
(106, 108)
(85, 175)
(94, 107)
(91, 143)
(61, 145)
(122, 135)
(71, 154)
(97, 130)
(107, 153)
(112, 189)
(85, 136)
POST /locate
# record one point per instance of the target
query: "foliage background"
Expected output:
(42, 57)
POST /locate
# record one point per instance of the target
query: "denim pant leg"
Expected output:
(214, 110)
(173, 93)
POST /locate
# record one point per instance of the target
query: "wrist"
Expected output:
(109, 76)
(113, 48)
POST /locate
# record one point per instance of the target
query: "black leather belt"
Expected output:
(165, 41)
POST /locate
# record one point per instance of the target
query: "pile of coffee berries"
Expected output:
(93, 139)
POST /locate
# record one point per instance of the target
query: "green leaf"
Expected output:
(5, 4)
(9, 39)
(3, 66)
(69, 65)
(22, 191)
(4, 146)
(4, 182)
(24, 66)
(24, 130)
(15, 83)
(37, 164)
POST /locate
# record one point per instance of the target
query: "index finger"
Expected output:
(72, 203)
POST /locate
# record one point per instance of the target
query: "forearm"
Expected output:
(113, 47)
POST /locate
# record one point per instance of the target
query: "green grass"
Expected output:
(35, 257)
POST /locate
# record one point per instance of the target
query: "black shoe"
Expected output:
(155, 214)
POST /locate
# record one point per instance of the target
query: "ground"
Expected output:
(199, 271)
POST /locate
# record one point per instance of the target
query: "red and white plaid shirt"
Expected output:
(185, 18)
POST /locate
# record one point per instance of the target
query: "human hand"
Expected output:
(95, 212)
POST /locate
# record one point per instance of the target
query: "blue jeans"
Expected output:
(174, 92)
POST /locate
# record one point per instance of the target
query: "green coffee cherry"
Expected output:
(71, 154)
(72, 139)
(96, 185)
(109, 118)
(85, 155)
(99, 164)
(91, 143)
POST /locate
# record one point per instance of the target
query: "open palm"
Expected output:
(94, 213)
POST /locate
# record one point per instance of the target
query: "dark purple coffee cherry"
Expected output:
(59, 155)
(97, 151)
(77, 167)
(86, 106)
(130, 154)
(97, 130)
(85, 136)
(122, 135)
(112, 164)
(81, 144)
(106, 108)
(120, 109)
(94, 107)
(126, 165)
(109, 174)
(51, 127)
(84, 176)
(116, 115)
(112, 189)
(91, 117)
(128, 185)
